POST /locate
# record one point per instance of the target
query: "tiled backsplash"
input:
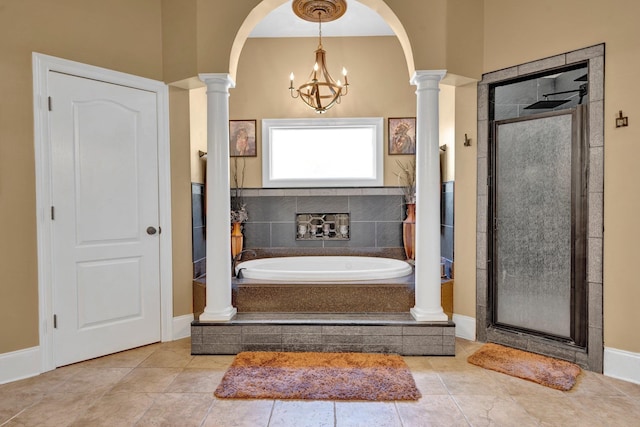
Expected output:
(375, 219)
(376, 216)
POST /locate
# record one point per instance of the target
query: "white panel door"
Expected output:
(106, 282)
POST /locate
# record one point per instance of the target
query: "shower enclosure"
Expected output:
(540, 210)
(538, 246)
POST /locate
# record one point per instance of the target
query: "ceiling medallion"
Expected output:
(316, 10)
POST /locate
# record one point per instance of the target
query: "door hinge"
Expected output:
(49, 104)
(55, 321)
(53, 213)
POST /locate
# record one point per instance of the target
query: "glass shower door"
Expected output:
(536, 211)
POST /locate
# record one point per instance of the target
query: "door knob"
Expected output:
(151, 231)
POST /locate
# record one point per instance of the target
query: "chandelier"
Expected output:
(321, 91)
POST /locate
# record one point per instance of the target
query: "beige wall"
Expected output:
(464, 36)
(465, 201)
(377, 88)
(520, 31)
(181, 201)
(179, 39)
(447, 131)
(155, 39)
(119, 34)
(198, 126)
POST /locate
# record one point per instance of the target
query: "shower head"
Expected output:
(546, 104)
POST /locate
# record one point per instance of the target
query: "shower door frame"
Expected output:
(578, 301)
(591, 357)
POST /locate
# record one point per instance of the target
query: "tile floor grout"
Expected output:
(163, 384)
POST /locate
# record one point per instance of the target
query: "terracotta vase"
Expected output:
(409, 231)
(237, 239)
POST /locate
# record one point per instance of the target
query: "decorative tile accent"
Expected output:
(596, 79)
(483, 134)
(496, 76)
(594, 260)
(483, 106)
(541, 65)
(482, 175)
(596, 169)
(595, 220)
(586, 53)
(596, 124)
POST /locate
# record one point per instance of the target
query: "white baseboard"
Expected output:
(19, 364)
(622, 364)
(465, 327)
(182, 326)
(26, 363)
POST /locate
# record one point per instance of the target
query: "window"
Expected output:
(322, 152)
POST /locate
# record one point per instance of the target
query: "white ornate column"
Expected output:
(427, 259)
(218, 303)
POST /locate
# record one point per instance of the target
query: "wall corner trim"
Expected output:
(19, 364)
(621, 364)
(182, 326)
(465, 327)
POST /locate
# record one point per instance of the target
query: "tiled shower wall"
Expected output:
(511, 99)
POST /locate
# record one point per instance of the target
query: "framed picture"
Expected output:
(242, 138)
(402, 135)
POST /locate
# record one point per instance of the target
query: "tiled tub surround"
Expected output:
(381, 333)
(367, 317)
(375, 229)
(198, 218)
(375, 216)
(446, 227)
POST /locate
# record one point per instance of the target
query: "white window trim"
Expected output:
(375, 123)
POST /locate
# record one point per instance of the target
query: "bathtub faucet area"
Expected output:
(235, 259)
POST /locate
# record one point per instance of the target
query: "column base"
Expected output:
(429, 316)
(222, 316)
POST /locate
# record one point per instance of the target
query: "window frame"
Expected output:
(373, 123)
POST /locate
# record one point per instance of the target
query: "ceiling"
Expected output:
(358, 21)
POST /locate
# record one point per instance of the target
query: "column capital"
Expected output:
(424, 76)
(218, 81)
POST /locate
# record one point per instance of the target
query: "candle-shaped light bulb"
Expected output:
(291, 77)
(344, 73)
(315, 67)
(338, 83)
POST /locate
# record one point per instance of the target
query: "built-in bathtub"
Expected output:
(323, 268)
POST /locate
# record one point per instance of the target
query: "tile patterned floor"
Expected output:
(163, 385)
